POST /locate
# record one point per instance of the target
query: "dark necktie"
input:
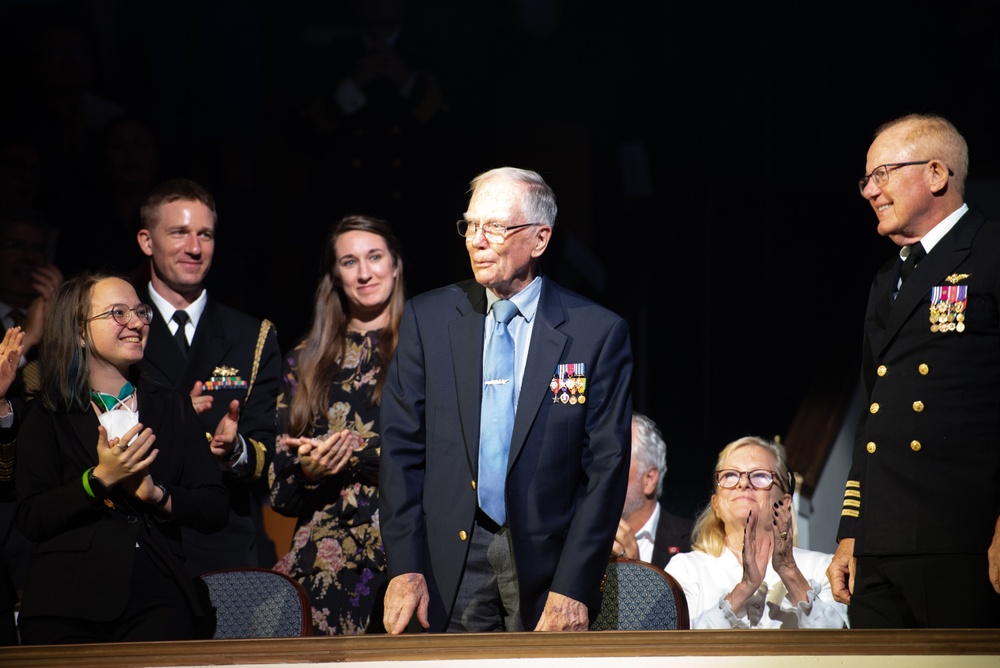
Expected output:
(497, 422)
(917, 253)
(181, 318)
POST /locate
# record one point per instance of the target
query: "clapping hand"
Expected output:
(756, 553)
(126, 461)
(783, 536)
(46, 280)
(227, 431)
(625, 545)
(201, 401)
(10, 358)
(324, 457)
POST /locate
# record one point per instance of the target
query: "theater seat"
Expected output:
(640, 597)
(253, 603)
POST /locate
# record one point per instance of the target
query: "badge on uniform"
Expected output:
(948, 304)
(224, 378)
(569, 384)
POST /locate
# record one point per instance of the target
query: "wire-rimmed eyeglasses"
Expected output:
(880, 175)
(493, 232)
(757, 479)
(123, 314)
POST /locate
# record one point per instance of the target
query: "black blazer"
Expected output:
(78, 536)
(673, 535)
(231, 338)
(925, 475)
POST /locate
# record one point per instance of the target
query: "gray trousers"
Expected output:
(488, 596)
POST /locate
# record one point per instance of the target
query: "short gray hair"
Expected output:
(649, 450)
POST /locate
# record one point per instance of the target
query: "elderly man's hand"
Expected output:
(406, 594)
(625, 543)
(563, 613)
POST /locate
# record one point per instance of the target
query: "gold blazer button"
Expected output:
(915, 446)
(462, 535)
(871, 446)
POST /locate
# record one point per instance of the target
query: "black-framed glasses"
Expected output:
(757, 479)
(493, 232)
(880, 175)
(123, 314)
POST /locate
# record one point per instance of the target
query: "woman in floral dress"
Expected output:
(325, 469)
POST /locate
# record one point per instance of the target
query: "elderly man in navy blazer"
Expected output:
(535, 559)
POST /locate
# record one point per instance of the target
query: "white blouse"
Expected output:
(707, 580)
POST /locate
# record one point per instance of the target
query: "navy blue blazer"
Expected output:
(568, 466)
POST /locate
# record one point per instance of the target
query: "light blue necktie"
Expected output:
(497, 422)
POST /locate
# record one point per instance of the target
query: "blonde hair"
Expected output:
(709, 533)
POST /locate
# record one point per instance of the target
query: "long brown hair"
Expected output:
(321, 350)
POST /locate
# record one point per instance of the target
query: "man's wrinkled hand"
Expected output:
(562, 613)
(625, 545)
(406, 594)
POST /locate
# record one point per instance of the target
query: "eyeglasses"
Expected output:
(759, 479)
(881, 173)
(493, 232)
(123, 314)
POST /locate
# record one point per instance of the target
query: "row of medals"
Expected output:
(947, 311)
(568, 388)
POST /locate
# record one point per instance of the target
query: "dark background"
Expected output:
(705, 158)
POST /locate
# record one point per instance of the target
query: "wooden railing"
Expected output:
(968, 648)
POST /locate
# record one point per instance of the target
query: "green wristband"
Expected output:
(86, 483)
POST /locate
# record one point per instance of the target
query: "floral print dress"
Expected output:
(337, 551)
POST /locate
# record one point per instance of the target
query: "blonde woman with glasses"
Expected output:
(744, 571)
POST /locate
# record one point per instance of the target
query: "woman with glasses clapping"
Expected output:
(744, 571)
(107, 472)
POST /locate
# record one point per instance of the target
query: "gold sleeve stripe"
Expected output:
(261, 454)
(851, 503)
(851, 494)
(849, 513)
(854, 483)
(7, 455)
